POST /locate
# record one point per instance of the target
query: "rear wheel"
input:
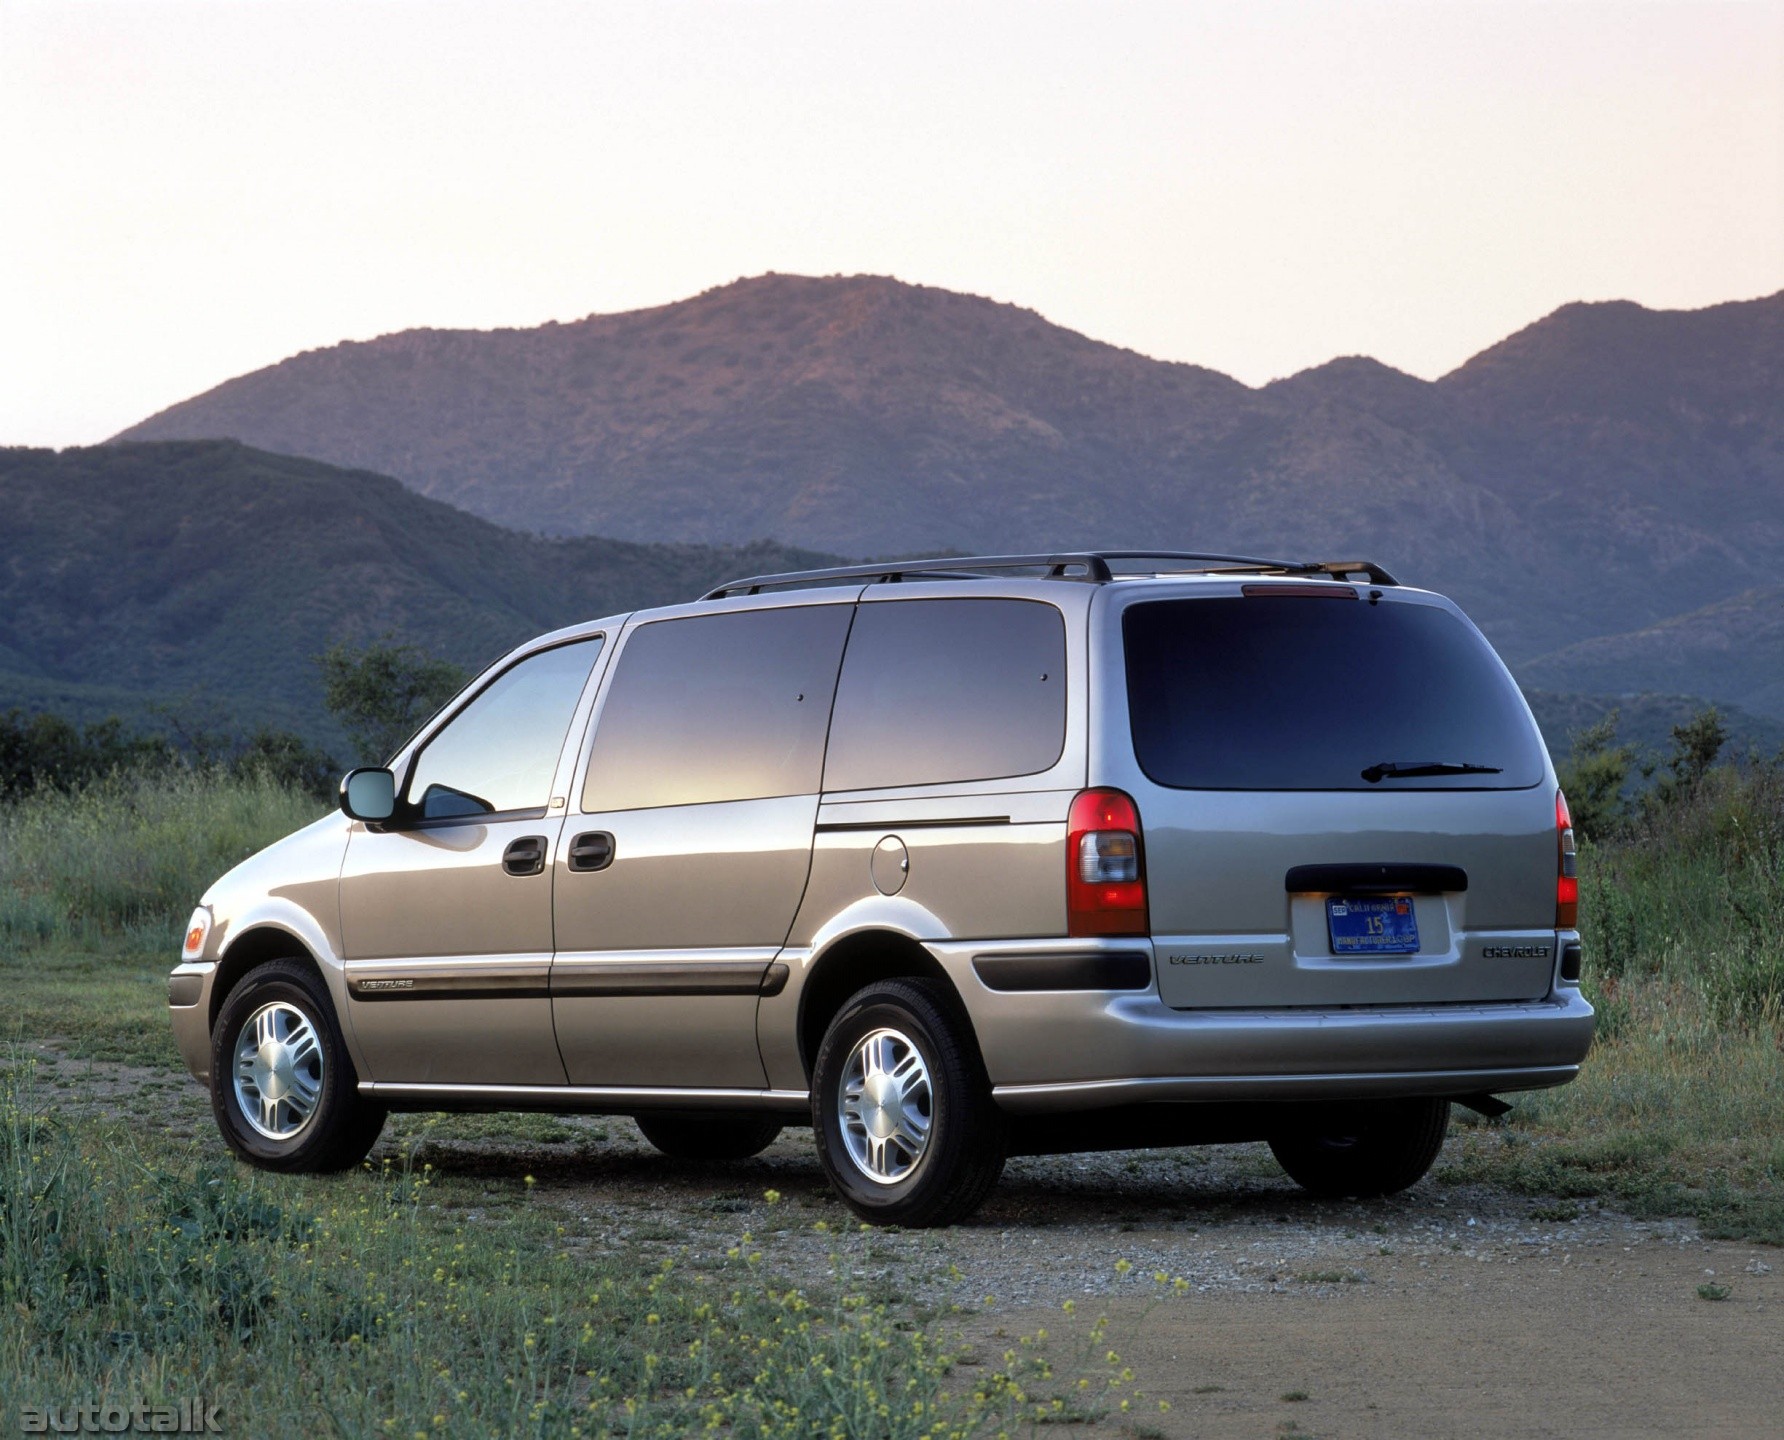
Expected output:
(1366, 1149)
(709, 1137)
(907, 1130)
(283, 1088)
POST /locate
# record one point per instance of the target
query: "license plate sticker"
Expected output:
(1387, 926)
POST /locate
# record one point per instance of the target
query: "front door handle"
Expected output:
(592, 851)
(525, 856)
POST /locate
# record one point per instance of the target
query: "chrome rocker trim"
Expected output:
(590, 1099)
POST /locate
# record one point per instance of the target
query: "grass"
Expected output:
(1674, 1114)
(1690, 895)
(1679, 1109)
(96, 1006)
(120, 863)
(138, 1268)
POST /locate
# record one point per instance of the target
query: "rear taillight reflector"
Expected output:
(1105, 880)
(1567, 884)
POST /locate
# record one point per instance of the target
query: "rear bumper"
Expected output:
(1084, 1049)
(1344, 1085)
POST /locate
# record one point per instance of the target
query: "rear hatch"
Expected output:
(1343, 797)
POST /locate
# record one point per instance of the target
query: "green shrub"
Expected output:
(40, 750)
(383, 692)
(1691, 891)
(1595, 778)
(125, 858)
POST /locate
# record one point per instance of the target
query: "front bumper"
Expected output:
(189, 1009)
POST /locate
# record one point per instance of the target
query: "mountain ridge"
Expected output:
(206, 567)
(1598, 471)
(199, 578)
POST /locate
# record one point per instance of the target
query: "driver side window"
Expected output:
(499, 753)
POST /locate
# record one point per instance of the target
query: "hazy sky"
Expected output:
(189, 191)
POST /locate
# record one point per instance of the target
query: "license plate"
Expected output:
(1372, 927)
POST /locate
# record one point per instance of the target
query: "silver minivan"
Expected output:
(950, 860)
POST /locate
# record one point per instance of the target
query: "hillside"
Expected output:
(204, 576)
(1602, 470)
(211, 571)
(1733, 649)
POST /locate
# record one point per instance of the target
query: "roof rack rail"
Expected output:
(1327, 569)
(1091, 566)
(1246, 565)
(957, 567)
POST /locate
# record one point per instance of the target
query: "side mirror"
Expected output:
(369, 794)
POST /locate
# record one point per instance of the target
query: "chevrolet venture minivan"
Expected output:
(950, 860)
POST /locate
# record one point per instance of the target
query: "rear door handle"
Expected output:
(591, 851)
(525, 856)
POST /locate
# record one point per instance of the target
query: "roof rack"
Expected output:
(1095, 567)
(1192, 562)
(961, 567)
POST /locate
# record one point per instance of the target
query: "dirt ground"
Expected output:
(1450, 1311)
(1447, 1312)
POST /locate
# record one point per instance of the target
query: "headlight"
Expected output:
(198, 930)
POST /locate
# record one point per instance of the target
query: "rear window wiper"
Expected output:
(1398, 769)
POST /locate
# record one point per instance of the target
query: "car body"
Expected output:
(1154, 848)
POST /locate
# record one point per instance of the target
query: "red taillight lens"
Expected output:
(1567, 884)
(1105, 876)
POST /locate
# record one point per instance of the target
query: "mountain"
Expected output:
(859, 414)
(1733, 649)
(1600, 472)
(210, 572)
(201, 577)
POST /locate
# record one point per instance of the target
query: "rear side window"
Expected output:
(1289, 693)
(718, 707)
(947, 690)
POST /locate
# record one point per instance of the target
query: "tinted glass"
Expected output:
(719, 707)
(1281, 693)
(942, 690)
(501, 750)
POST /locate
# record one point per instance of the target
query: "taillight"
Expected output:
(1105, 878)
(1567, 884)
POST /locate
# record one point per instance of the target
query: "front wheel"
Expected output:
(907, 1130)
(1364, 1150)
(283, 1088)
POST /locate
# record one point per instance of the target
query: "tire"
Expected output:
(1364, 1150)
(948, 1139)
(262, 1113)
(709, 1137)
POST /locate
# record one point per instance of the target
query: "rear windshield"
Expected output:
(1290, 693)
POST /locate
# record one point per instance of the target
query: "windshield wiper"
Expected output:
(1399, 769)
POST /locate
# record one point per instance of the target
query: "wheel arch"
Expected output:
(251, 949)
(859, 959)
